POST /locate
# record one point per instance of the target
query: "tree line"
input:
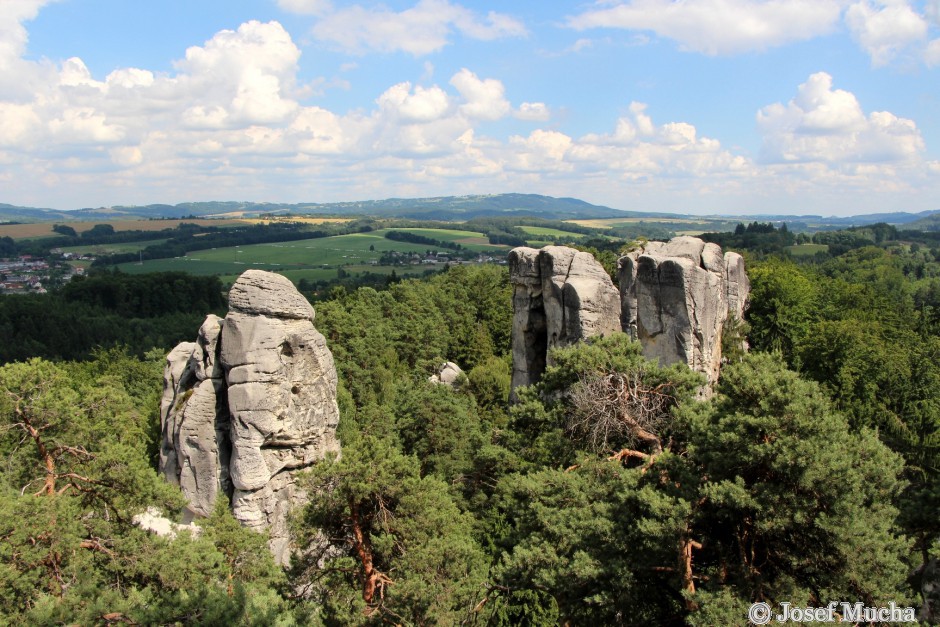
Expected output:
(415, 238)
(107, 309)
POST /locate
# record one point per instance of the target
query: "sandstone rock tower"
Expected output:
(674, 297)
(248, 405)
(560, 296)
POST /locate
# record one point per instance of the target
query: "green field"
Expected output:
(546, 233)
(806, 250)
(312, 259)
(110, 249)
(471, 240)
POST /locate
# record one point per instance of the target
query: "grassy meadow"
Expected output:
(312, 259)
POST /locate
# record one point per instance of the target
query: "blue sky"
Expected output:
(699, 106)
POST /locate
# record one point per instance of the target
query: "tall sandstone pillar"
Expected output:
(676, 297)
(249, 405)
(560, 296)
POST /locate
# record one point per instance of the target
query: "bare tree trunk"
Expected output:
(370, 576)
(47, 459)
(686, 545)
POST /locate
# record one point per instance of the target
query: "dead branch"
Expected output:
(117, 617)
(625, 453)
(95, 545)
(616, 407)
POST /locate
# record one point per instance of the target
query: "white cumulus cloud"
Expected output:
(419, 30)
(828, 126)
(249, 72)
(533, 111)
(885, 28)
(932, 56)
(718, 27)
(13, 35)
(483, 99)
(423, 105)
(305, 7)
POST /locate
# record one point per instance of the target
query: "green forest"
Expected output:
(810, 476)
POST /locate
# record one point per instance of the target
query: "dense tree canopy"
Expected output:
(613, 492)
(106, 310)
(77, 442)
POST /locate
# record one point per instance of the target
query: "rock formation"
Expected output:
(153, 520)
(195, 425)
(674, 298)
(248, 405)
(560, 296)
(447, 374)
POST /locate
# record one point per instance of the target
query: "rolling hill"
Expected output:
(438, 208)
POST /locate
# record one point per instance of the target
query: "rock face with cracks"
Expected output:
(674, 297)
(560, 296)
(248, 405)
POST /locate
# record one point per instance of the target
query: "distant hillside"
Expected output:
(447, 208)
(897, 218)
(468, 207)
(12, 213)
(440, 208)
(928, 223)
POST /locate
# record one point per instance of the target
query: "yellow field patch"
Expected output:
(603, 223)
(305, 220)
(40, 229)
(21, 231)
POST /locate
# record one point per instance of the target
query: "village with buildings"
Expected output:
(26, 274)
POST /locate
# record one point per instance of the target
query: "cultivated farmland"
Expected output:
(44, 229)
(313, 259)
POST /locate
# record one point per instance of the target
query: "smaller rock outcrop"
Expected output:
(196, 442)
(153, 520)
(447, 374)
(560, 296)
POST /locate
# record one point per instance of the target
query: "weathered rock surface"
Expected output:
(529, 338)
(249, 404)
(155, 522)
(560, 296)
(737, 285)
(674, 297)
(447, 374)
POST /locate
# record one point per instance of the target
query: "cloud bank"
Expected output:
(230, 122)
(884, 29)
(425, 28)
